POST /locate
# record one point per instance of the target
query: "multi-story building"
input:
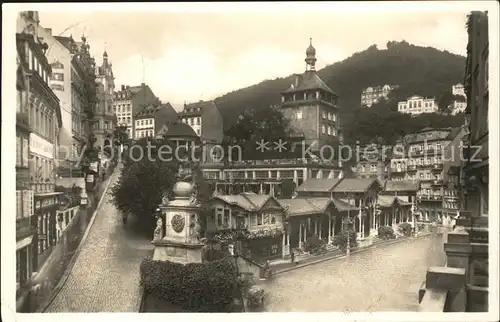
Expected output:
(25, 229)
(152, 118)
(104, 121)
(373, 161)
(207, 123)
(66, 81)
(44, 116)
(475, 168)
(467, 249)
(458, 90)
(457, 107)
(129, 101)
(422, 158)
(373, 95)
(416, 105)
(312, 107)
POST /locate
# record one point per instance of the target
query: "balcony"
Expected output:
(411, 168)
(431, 197)
(437, 166)
(42, 187)
(398, 170)
(437, 182)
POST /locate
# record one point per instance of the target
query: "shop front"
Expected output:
(45, 220)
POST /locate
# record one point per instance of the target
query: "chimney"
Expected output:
(123, 87)
(297, 79)
(49, 30)
(128, 86)
(143, 84)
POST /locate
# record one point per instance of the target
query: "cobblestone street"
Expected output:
(383, 279)
(105, 277)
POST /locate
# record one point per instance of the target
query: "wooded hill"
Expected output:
(417, 70)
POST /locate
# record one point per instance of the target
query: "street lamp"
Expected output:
(348, 247)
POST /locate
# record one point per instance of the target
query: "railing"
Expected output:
(437, 166)
(437, 182)
(412, 167)
(271, 162)
(398, 170)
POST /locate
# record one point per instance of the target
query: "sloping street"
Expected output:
(105, 277)
(383, 279)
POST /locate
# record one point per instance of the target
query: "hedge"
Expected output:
(405, 229)
(198, 287)
(386, 232)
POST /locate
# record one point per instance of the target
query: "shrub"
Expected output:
(386, 232)
(405, 229)
(199, 287)
(315, 245)
(340, 240)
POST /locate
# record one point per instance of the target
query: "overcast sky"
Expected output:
(188, 56)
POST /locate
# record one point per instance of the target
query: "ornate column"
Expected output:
(329, 228)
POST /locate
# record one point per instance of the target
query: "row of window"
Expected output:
(144, 122)
(192, 120)
(22, 152)
(224, 219)
(24, 203)
(330, 116)
(42, 123)
(77, 125)
(451, 205)
(106, 125)
(420, 176)
(125, 120)
(414, 162)
(328, 129)
(46, 233)
(282, 174)
(143, 133)
(35, 65)
(41, 169)
(417, 104)
(123, 108)
(429, 192)
(426, 147)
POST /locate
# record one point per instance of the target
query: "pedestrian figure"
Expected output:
(292, 255)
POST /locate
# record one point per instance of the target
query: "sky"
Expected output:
(190, 56)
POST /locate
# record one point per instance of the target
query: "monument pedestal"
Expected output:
(181, 242)
(177, 252)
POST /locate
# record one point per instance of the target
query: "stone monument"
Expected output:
(181, 242)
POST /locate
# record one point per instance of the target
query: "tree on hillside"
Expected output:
(448, 98)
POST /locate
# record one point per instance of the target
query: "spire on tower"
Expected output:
(310, 56)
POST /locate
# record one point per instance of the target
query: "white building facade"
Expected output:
(372, 95)
(416, 105)
(458, 90)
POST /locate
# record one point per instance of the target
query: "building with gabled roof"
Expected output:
(152, 118)
(254, 222)
(207, 122)
(129, 101)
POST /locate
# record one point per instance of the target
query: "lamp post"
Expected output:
(348, 247)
